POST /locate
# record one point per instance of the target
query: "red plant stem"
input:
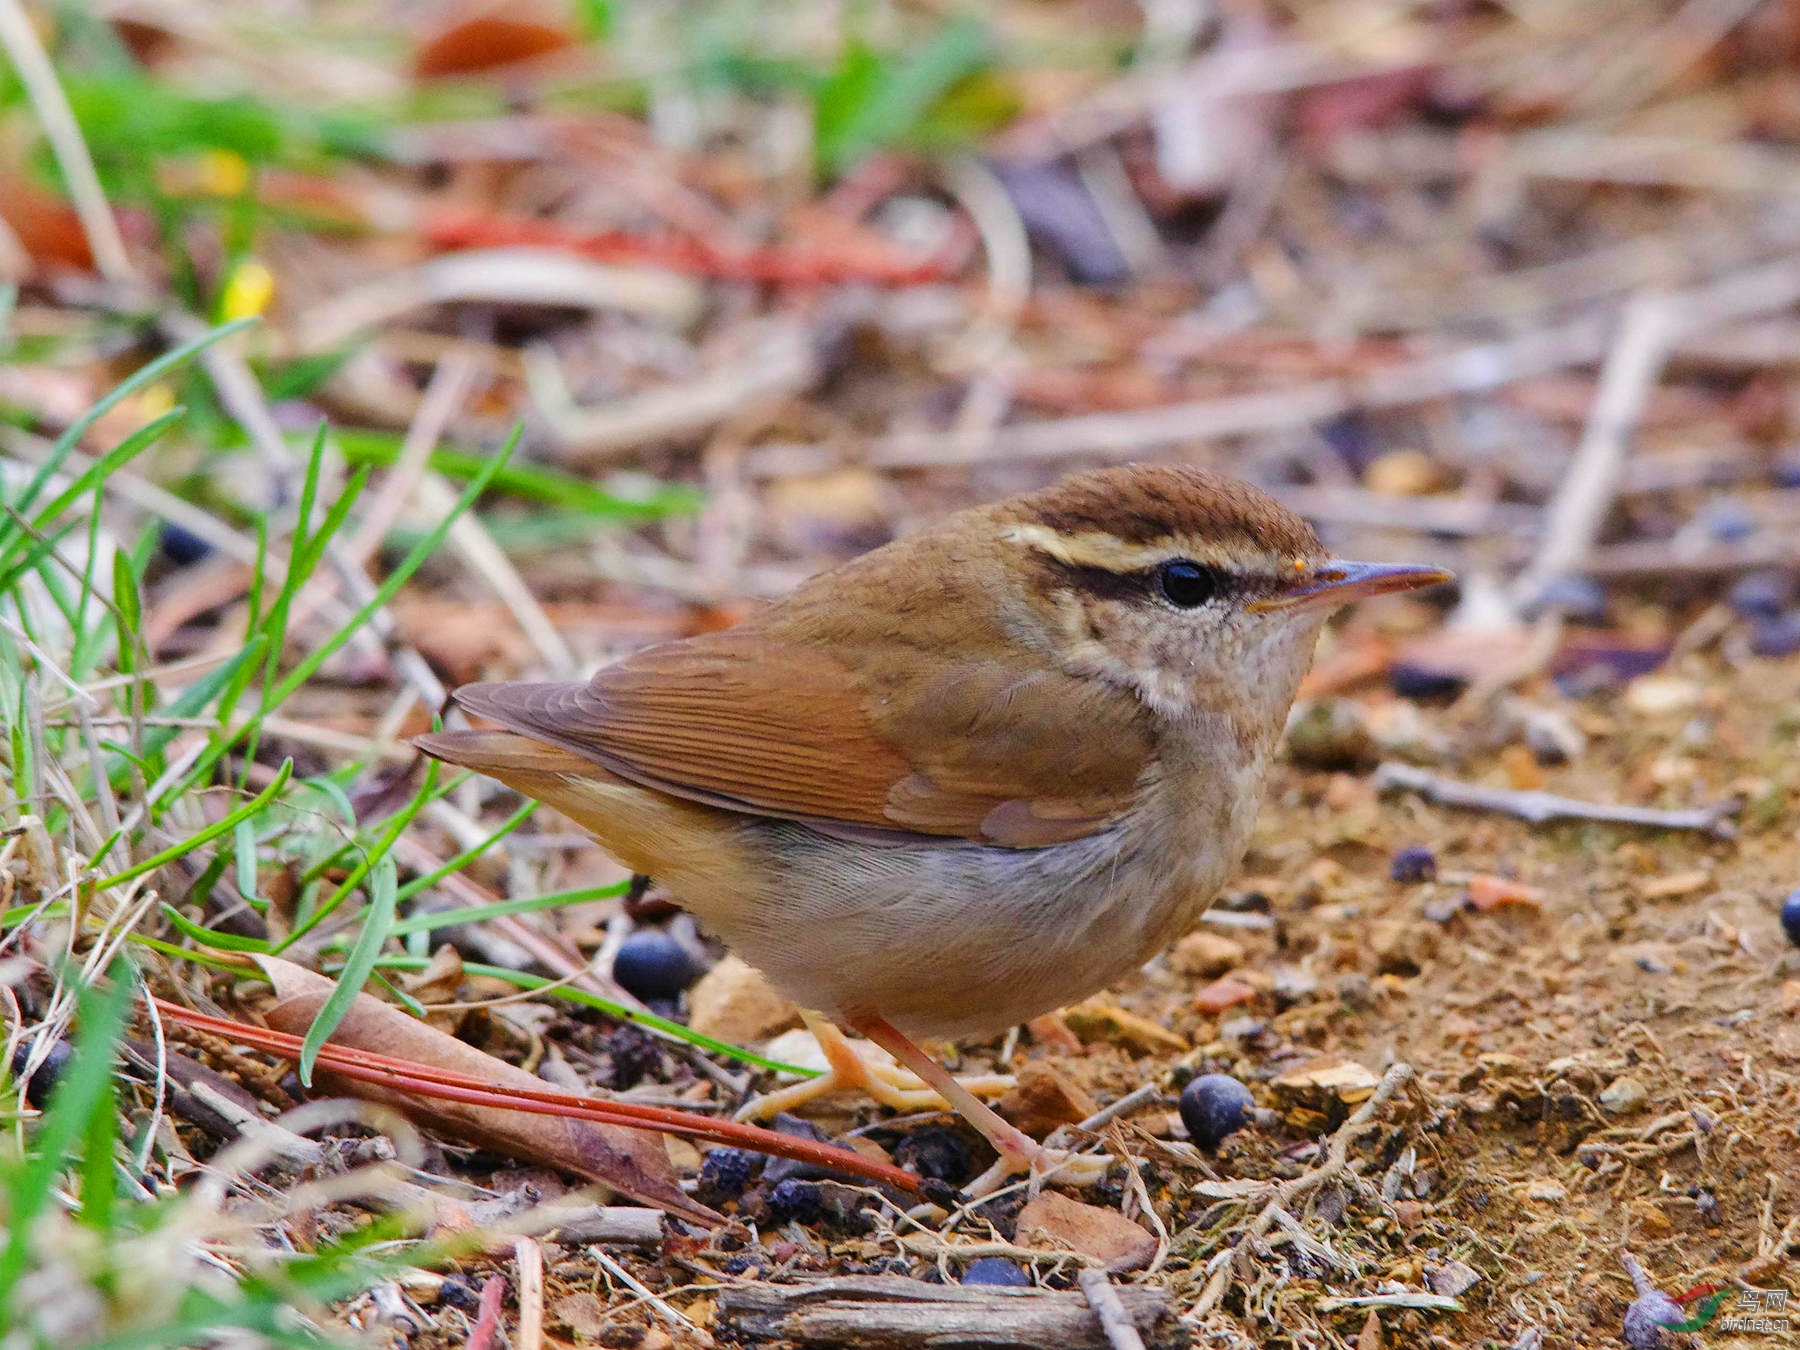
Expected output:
(774, 265)
(429, 1081)
(485, 1332)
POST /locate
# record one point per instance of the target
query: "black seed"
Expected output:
(1214, 1106)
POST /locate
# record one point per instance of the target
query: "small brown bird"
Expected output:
(964, 779)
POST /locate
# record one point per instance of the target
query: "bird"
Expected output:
(964, 779)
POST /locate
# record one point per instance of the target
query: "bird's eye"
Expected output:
(1187, 584)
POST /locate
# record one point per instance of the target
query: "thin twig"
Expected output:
(1647, 332)
(1540, 808)
(530, 1258)
(1097, 1288)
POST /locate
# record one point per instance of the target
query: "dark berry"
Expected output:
(1727, 520)
(1576, 598)
(1790, 917)
(1779, 636)
(725, 1172)
(44, 1078)
(1762, 595)
(181, 546)
(777, 1170)
(796, 1200)
(651, 964)
(1413, 865)
(1410, 680)
(1214, 1106)
(996, 1270)
(1787, 470)
(939, 1154)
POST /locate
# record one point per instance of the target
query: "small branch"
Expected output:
(1103, 1298)
(1540, 808)
(1647, 334)
(891, 1312)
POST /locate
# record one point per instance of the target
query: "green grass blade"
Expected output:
(144, 375)
(207, 835)
(449, 918)
(378, 853)
(377, 924)
(463, 859)
(79, 1093)
(212, 937)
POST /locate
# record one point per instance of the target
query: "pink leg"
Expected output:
(1012, 1142)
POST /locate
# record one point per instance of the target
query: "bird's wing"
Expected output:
(934, 750)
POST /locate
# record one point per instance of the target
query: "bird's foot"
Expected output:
(1061, 1165)
(865, 1067)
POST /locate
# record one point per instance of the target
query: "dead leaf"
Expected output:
(1055, 1221)
(484, 42)
(632, 1162)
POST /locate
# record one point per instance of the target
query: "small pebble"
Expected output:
(996, 1270)
(652, 965)
(1213, 1107)
(1761, 595)
(1790, 917)
(1623, 1096)
(1645, 1319)
(1413, 865)
(1779, 636)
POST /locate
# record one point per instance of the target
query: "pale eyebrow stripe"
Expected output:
(1094, 548)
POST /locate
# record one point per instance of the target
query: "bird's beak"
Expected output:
(1338, 583)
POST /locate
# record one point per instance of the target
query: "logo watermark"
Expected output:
(1755, 1310)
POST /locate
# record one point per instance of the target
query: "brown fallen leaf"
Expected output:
(632, 1162)
(1054, 1221)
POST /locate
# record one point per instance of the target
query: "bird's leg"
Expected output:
(888, 1084)
(1019, 1152)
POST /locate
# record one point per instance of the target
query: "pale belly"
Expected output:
(948, 942)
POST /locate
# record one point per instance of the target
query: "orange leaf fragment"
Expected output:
(1223, 993)
(485, 42)
(1490, 892)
